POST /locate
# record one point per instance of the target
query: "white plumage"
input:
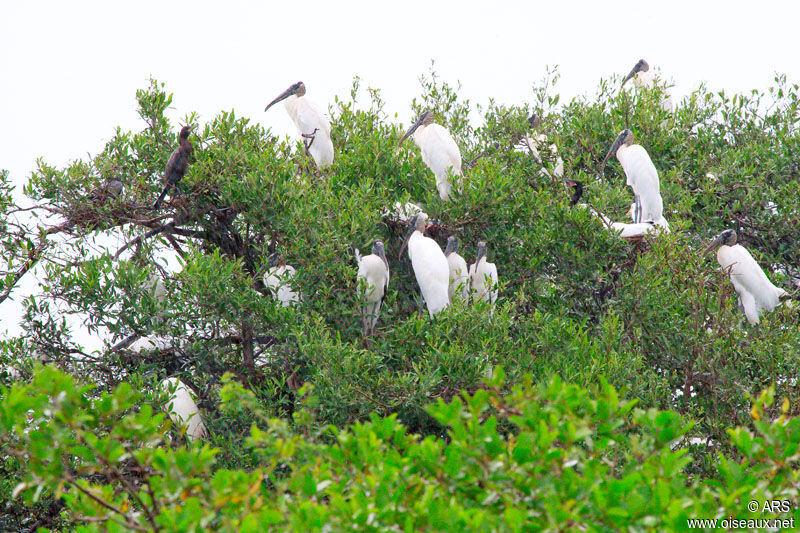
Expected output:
(756, 292)
(640, 175)
(430, 266)
(645, 78)
(278, 280)
(374, 270)
(532, 142)
(459, 274)
(404, 212)
(483, 277)
(439, 152)
(182, 408)
(314, 128)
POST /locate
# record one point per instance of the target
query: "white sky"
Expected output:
(70, 70)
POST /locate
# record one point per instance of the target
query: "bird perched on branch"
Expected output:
(374, 270)
(483, 276)
(278, 280)
(177, 164)
(439, 151)
(459, 275)
(532, 142)
(313, 126)
(640, 175)
(182, 408)
(430, 266)
(112, 188)
(643, 77)
(756, 292)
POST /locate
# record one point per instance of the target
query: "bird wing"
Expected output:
(747, 276)
(431, 270)
(640, 172)
(439, 150)
(308, 117)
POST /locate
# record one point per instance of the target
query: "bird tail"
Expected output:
(358, 256)
(157, 204)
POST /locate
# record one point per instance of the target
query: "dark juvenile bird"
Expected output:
(577, 193)
(176, 166)
(110, 189)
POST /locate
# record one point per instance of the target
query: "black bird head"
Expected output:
(185, 131)
(275, 260)
(535, 121)
(377, 249)
(578, 191)
(625, 137)
(298, 89)
(425, 119)
(480, 252)
(641, 66)
(452, 245)
(727, 238)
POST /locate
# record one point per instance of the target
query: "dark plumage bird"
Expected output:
(110, 189)
(176, 166)
(577, 193)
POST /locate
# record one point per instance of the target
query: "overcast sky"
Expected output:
(70, 70)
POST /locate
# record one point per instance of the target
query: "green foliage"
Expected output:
(655, 318)
(544, 456)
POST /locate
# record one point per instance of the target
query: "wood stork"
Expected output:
(439, 151)
(313, 126)
(756, 292)
(483, 276)
(622, 229)
(641, 175)
(112, 188)
(430, 266)
(660, 223)
(278, 280)
(643, 77)
(404, 212)
(182, 408)
(459, 274)
(533, 142)
(374, 270)
(177, 164)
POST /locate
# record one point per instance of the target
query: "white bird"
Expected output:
(278, 280)
(313, 126)
(374, 270)
(659, 223)
(182, 408)
(430, 266)
(624, 230)
(641, 176)
(532, 142)
(404, 212)
(459, 274)
(439, 151)
(756, 292)
(644, 78)
(483, 277)
(156, 287)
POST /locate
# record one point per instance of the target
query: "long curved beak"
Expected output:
(713, 245)
(283, 96)
(611, 151)
(412, 129)
(481, 253)
(411, 231)
(640, 66)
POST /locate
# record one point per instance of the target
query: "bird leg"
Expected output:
(306, 142)
(421, 301)
(637, 210)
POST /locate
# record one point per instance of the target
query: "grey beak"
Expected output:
(284, 95)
